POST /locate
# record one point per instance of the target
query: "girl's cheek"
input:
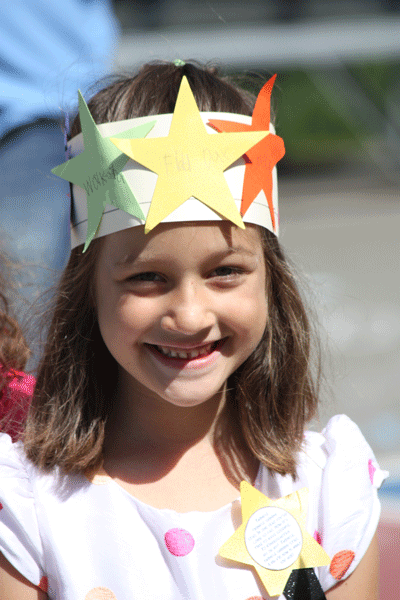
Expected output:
(254, 303)
(135, 314)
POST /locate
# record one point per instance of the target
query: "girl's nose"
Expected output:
(189, 311)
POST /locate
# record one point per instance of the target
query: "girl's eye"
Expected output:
(148, 277)
(227, 271)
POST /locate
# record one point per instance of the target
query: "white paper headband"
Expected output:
(143, 182)
(180, 167)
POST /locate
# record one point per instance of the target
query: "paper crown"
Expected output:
(185, 166)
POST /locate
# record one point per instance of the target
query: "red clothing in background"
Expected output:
(15, 398)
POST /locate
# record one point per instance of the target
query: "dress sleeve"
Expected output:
(19, 534)
(349, 505)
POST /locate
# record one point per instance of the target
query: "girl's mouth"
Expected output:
(180, 356)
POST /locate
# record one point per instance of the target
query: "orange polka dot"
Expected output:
(100, 593)
(44, 584)
(256, 598)
(340, 563)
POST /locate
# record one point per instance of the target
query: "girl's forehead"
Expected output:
(171, 239)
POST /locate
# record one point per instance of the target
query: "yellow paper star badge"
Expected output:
(190, 162)
(273, 538)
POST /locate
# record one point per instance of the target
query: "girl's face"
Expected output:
(181, 308)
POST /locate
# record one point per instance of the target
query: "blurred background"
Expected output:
(337, 106)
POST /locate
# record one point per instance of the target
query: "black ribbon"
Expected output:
(303, 584)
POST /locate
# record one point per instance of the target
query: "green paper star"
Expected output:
(97, 170)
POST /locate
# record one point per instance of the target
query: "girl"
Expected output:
(177, 366)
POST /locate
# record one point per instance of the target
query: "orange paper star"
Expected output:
(263, 157)
(273, 538)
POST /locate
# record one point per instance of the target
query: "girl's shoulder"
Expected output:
(340, 457)
(342, 475)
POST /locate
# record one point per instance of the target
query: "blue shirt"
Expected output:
(49, 49)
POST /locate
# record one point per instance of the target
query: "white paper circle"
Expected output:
(273, 538)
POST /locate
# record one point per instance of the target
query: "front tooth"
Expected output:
(190, 354)
(206, 349)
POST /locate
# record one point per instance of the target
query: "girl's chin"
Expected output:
(189, 398)
(183, 394)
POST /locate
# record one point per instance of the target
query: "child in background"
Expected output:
(177, 371)
(16, 387)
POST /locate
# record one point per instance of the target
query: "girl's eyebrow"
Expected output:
(133, 258)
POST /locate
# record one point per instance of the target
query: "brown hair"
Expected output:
(270, 397)
(14, 351)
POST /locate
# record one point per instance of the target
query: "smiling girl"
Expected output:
(178, 365)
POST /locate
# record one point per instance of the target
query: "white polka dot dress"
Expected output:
(91, 540)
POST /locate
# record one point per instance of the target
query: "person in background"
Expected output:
(16, 387)
(47, 50)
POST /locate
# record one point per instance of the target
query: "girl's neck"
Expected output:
(181, 458)
(149, 436)
(150, 420)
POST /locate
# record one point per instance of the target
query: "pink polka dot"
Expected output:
(1, 506)
(317, 537)
(371, 470)
(179, 541)
(44, 584)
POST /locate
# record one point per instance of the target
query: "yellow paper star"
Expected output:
(273, 538)
(190, 162)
